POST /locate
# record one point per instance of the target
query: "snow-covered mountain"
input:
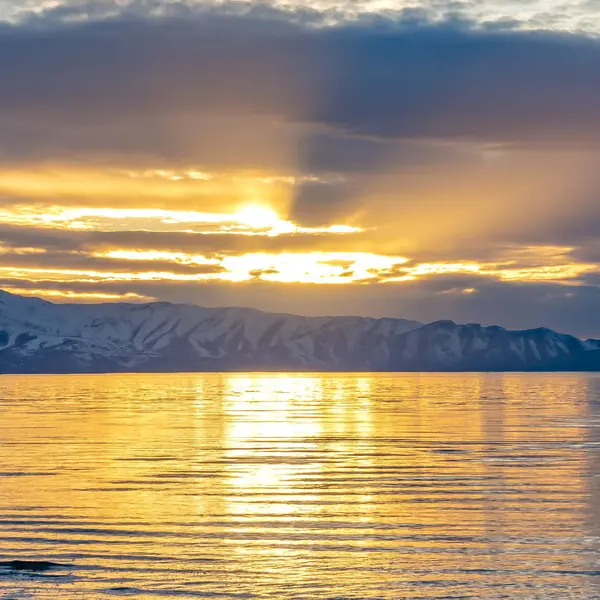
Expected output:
(37, 336)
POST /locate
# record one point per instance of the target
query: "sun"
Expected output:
(257, 217)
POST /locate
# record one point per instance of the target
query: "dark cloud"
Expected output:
(572, 309)
(401, 77)
(381, 96)
(69, 240)
(79, 261)
(317, 203)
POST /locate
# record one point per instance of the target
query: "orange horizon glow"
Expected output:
(245, 205)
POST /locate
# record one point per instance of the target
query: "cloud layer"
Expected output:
(431, 163)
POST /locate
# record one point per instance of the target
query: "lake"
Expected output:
(301, 486)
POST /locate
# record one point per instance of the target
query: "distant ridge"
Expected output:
(37, 336)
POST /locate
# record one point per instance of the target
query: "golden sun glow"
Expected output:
(257, 217)
(250, 220)
(324, 268)
(66, 295)
(105, 213)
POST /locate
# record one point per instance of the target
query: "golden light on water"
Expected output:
(338, 479)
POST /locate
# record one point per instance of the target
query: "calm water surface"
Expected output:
(301, 487)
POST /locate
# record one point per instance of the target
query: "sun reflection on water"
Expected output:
(304, 486)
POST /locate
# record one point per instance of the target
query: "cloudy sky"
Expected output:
(422, 159)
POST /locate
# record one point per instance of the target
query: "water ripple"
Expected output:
(300, 487)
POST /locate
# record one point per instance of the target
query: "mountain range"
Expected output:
(37, 336)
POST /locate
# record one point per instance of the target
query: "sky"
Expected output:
(426, 159)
